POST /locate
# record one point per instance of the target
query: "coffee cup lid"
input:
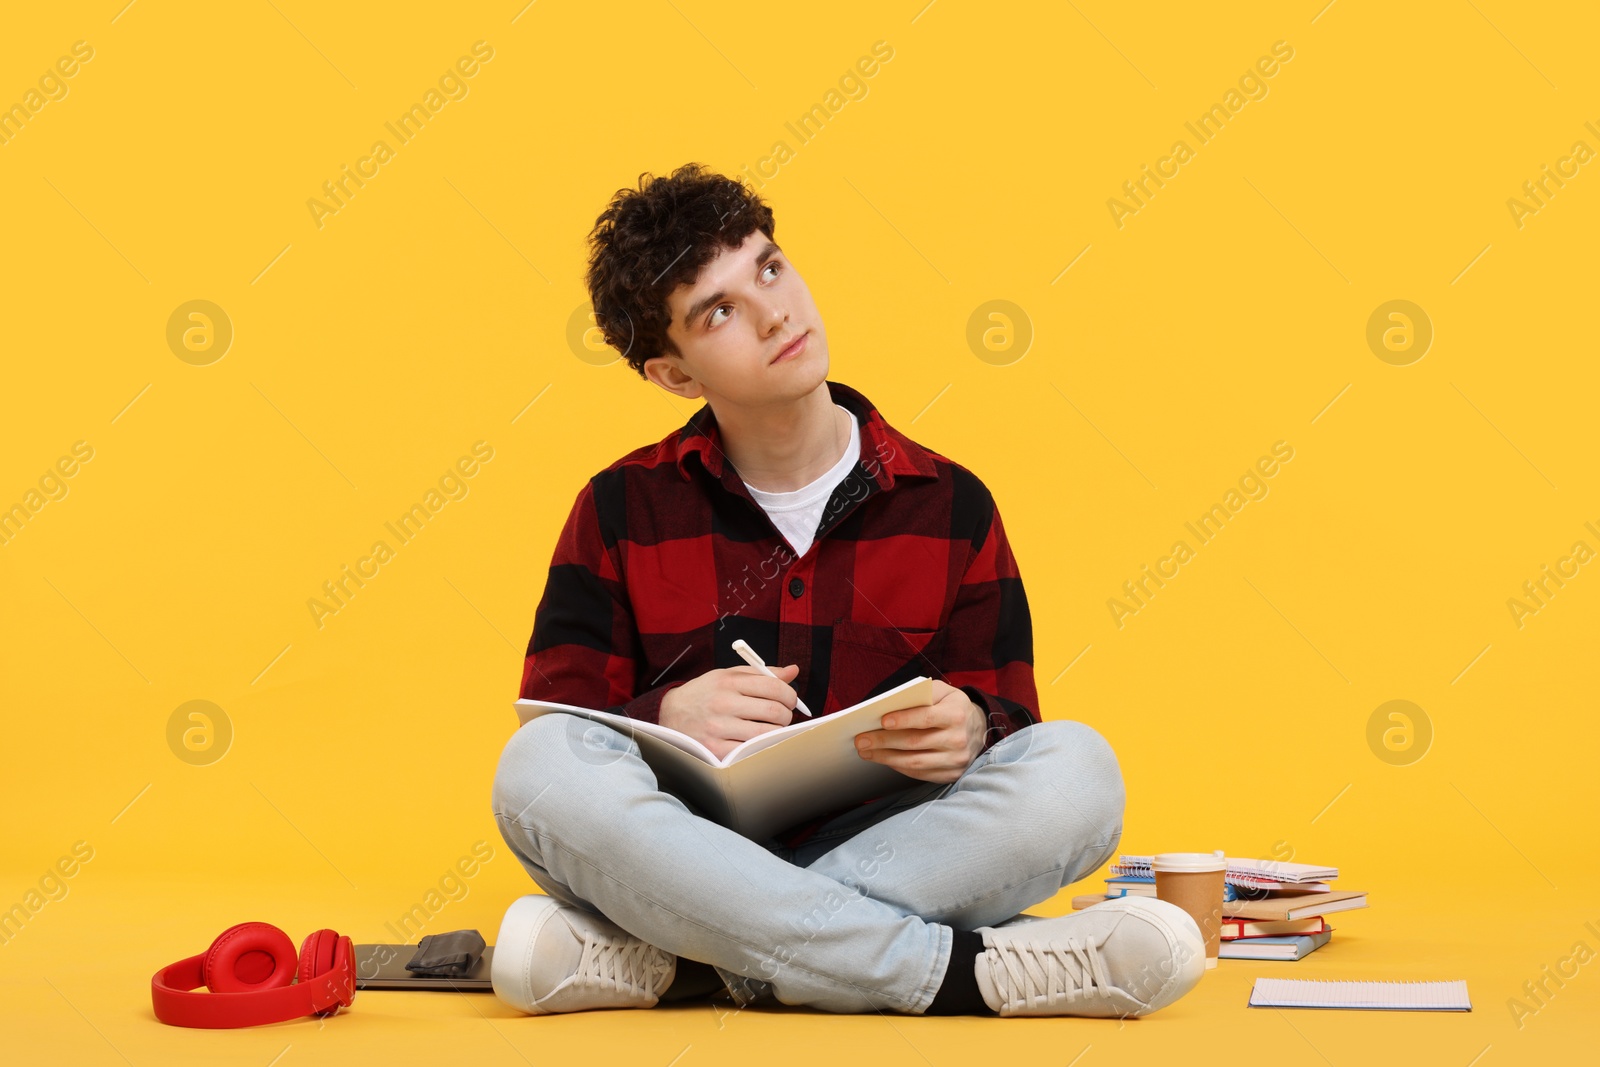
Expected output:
(1185, 862)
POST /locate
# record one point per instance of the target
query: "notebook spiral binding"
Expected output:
(1243, 881)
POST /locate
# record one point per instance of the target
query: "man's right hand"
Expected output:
(724, 707)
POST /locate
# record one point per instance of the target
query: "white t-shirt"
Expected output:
(797, 514)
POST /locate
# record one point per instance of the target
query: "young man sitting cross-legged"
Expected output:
(788, 512)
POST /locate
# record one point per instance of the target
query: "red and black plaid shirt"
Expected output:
(666, 559)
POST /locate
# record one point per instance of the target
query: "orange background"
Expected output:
(1137, 373)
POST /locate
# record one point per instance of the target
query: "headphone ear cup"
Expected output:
(324, 951)
(316, 954)
(247, 958)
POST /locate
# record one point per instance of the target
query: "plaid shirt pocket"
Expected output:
(866, 660)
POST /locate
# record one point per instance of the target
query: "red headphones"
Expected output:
(250, 970)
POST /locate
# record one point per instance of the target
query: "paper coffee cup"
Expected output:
(1193, 881)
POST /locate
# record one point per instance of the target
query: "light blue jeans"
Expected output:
(858, 918)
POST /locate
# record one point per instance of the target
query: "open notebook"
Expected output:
(1393, 996)
(776, 779)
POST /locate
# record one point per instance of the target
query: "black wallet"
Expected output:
(450, 955)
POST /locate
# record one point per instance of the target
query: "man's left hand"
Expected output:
(934, 742)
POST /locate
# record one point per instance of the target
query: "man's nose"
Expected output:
(773, 316)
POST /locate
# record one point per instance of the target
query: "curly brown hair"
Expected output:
(650, 240)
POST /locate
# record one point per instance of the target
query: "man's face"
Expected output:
(731, 323)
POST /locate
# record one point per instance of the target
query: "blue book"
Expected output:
(1124, 886)
(1273, 948)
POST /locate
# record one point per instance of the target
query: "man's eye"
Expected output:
(711, 319)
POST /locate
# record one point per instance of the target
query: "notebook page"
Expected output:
(767, 739)
(1401, 996)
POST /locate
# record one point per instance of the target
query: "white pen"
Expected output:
(748, 654)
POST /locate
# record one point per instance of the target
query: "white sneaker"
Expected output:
(550, 957)
(1127, 956)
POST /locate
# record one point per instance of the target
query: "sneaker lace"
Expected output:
(622, 963)
(1063, 969)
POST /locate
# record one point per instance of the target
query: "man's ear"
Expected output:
(668, 373)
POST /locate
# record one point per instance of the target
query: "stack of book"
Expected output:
(1271, 910)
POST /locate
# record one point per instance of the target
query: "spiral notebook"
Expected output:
(1393, 996)
(1249, 873)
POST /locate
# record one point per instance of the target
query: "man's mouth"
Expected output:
(793, 347)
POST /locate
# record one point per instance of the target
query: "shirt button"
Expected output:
(796, 587)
